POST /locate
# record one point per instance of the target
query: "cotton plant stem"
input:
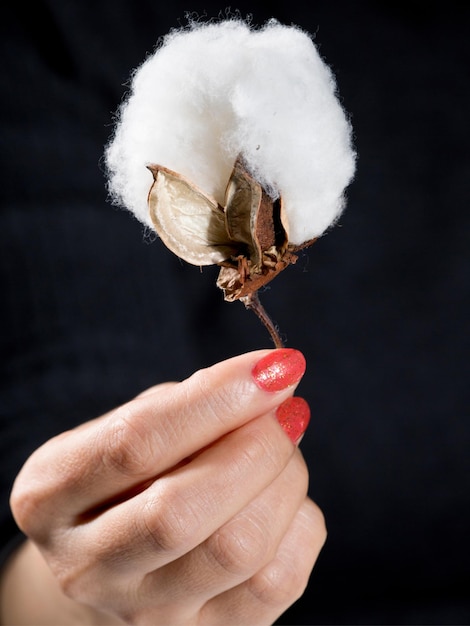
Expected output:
(253, 303)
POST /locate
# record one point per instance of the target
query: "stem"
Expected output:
(253, 303)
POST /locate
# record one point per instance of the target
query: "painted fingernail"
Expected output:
(294, 415)
(279, 369)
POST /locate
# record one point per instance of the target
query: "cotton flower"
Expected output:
(214, 91)
(233, 146)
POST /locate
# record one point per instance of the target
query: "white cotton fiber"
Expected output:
(213, 91)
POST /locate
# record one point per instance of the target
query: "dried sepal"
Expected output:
(259, 223)
(190, 223)
(248, 237)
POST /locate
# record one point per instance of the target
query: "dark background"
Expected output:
(93, 312)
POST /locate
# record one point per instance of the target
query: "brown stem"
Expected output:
(253, 303)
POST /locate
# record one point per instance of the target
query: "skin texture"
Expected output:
(187, 505)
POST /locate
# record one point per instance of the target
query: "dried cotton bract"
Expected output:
(233, 146)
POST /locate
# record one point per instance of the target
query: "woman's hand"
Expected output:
(186, 505)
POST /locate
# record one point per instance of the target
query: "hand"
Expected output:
(186, 505)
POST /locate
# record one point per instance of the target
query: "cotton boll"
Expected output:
(177, 114)
(212, 92)
(300, 131)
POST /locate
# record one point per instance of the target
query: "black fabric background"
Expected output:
(92, 312)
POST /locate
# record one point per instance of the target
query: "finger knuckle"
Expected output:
(128, 447)
(239, 548)
(279, 584)
(69, 582)
(30, 503)
(81, 587)
(80, 576)
(170, 521)
(25, 506)
(285, 578)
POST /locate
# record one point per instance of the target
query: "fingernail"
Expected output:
(294, 415)
(279, 369)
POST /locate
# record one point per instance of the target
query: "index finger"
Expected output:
(110, 458)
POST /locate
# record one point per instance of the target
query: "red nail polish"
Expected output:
(279, 369)
(294, 415)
